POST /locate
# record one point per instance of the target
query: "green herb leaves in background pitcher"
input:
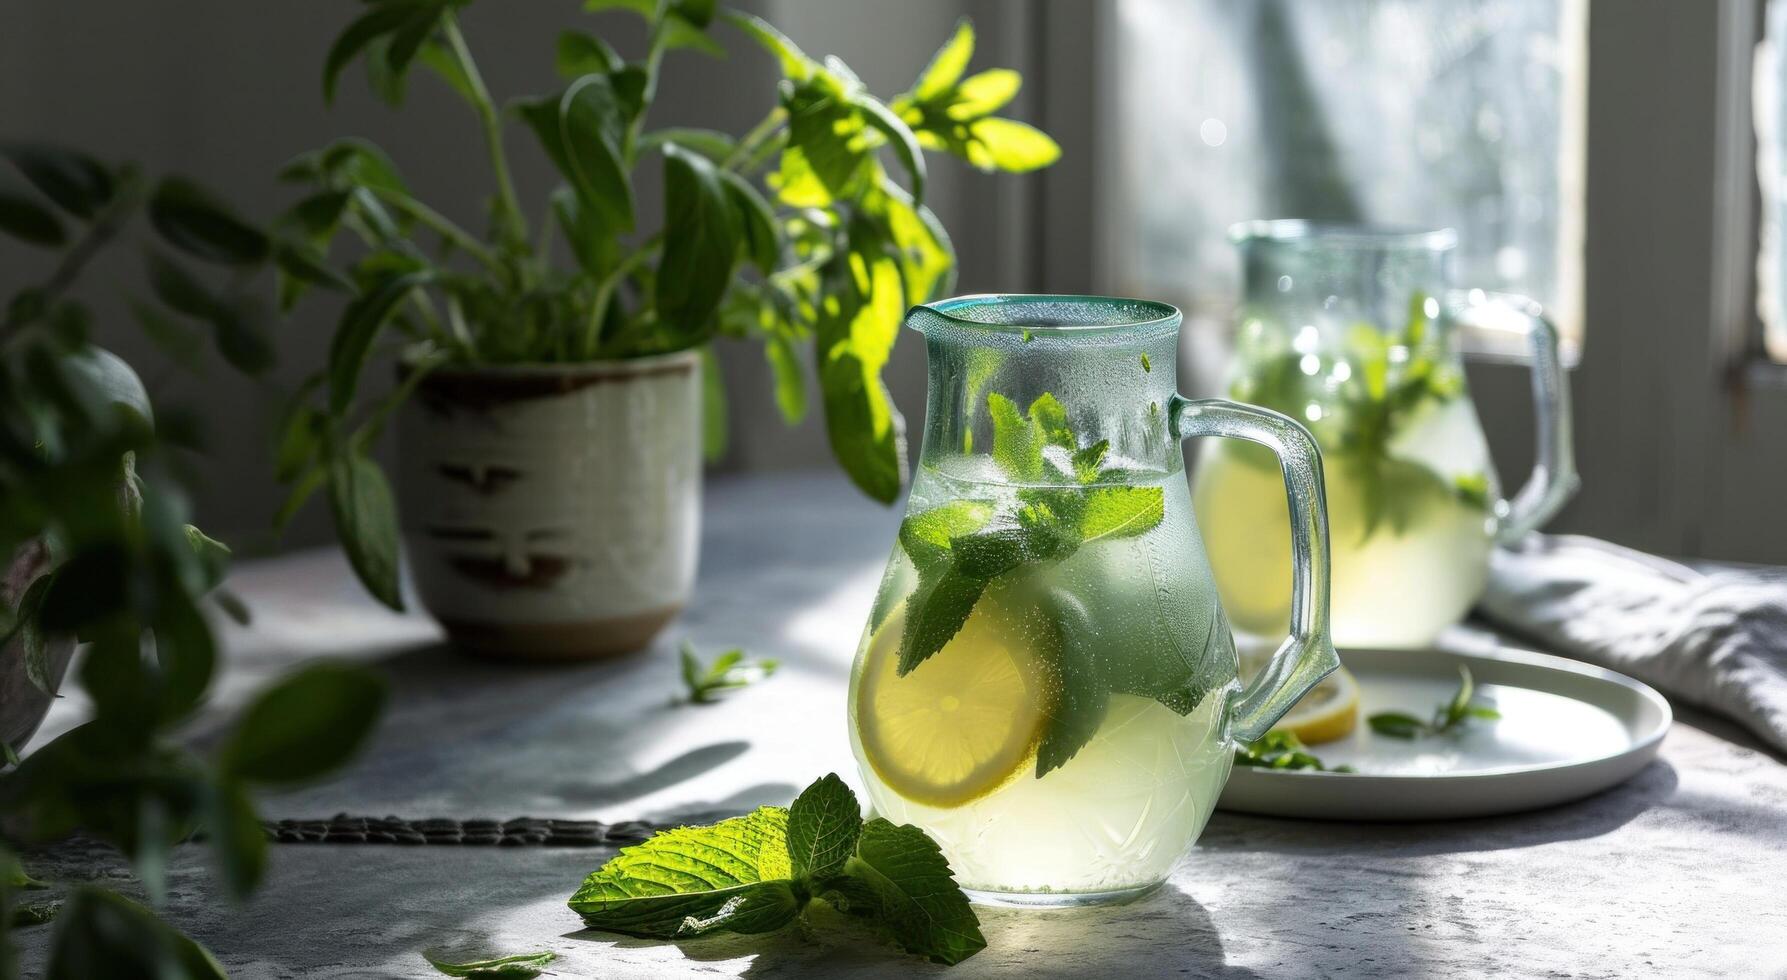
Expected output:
(1066, 498)
(1380, 380)
(759, 872)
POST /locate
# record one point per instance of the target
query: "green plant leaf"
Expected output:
(823, 826)
(34, 644)
(734, 876)
(592, 122)
(710, 143)
(828, 134)
(920, 903)
(29, 222)
(1017, 441)
(366, 523)
(790, 378)
(728, 672)
(1459, 707)
(592, 242)
(190, 219)
(1121, 511)
(795, 63)
(102, 934)
(713, 406)
(1397, 724)
(240, 326)
(984, 93)
(307, 723)
(935, 613)
(584, 54)
(76, 182)
(701, 236)
(306, 263)
(1089, 462)
(522, 966)
(927, 258)
(851, 345)
(762, 235)
(899, 136)
(947, 65)
(380, 20)
(233, 829)
(926, 535)
(177, 289)
(1084, 693)
(1009, 145)
(360, 324)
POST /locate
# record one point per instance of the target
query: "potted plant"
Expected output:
(553, 377)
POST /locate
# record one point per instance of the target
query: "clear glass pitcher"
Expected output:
(1354, 332)
(1047, 682)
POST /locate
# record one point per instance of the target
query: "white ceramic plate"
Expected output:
(1568, 730)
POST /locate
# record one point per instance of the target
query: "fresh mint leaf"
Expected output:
(1146, 366)
(1084, 692)
(1121, 512)
(920, 903)
(1281, 750)
(1397, 724)
(522, 966)
(1017, 445)
(935, 613)
(728, 672)
(925, 536)
(1458, 710)
(1050, 419)
(759, 872)
(734, 875)
(823, 826)
(1088, 462)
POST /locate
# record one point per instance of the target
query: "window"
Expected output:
(1425, 113)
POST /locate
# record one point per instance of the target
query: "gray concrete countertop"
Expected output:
(1677, 873)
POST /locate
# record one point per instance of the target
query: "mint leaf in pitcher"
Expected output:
(760, 872)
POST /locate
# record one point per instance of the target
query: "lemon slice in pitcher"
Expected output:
(961, 724)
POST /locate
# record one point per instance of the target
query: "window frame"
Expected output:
(1681, 432)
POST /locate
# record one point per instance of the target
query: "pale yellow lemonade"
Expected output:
(953, 745)
(1401, 575)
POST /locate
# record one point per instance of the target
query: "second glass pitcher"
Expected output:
(1354, 332)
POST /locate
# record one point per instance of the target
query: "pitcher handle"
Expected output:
(1553, 480)
(1307, 655)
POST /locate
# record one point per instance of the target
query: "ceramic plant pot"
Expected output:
(553, 511)
(22, 702)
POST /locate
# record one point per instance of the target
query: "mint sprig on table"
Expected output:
(1069, 498)
(759, 872)
(728, 672)
(522, 966)
(1450, 716)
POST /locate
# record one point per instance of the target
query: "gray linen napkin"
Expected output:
(1717, 639)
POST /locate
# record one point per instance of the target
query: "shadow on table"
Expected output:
(1166, 933)
(1602, 813)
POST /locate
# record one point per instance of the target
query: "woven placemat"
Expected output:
(522, 831)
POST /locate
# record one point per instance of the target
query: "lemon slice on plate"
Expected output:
(964, 722)
(1328, 712)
